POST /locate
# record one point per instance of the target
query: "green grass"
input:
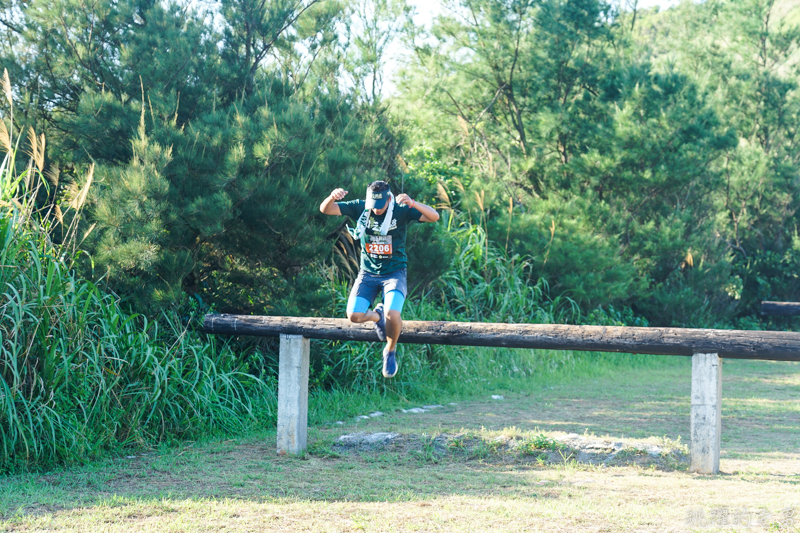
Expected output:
(240, 484)
(79, 377)
(469, 371)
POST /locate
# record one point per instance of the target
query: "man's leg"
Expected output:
(394, 324)
(369, 316)
(364, 291)
(394, 290)
(358, 310)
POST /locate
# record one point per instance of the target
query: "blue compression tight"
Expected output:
(393, 300)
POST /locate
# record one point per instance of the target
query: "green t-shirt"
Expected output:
(382, 254)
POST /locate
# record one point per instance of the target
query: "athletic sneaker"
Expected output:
(380, 325)
(389, 364)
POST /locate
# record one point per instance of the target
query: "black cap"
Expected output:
(376, 199)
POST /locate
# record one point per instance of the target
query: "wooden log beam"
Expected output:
(780, 308)
(737, 344)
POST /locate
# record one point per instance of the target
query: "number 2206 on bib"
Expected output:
(380, 245)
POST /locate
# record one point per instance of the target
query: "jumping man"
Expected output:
(381, 224)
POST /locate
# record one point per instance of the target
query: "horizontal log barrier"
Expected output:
(735, 344)
(707, 347)
(780, 308)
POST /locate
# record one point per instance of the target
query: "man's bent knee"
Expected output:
(393, 315)
(356, 317)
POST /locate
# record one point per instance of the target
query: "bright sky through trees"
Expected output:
(427, 10)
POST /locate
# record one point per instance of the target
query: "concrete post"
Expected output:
(293, 394)
(706, 412)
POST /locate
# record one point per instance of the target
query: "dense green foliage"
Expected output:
(206, 161)
(650, 159)
(593, 165)
(80, 376)
(640, 159)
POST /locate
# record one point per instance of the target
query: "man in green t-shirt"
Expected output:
(381, 224)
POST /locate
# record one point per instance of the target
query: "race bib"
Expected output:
(379, 246)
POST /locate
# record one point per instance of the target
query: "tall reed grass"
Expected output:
(78, 375)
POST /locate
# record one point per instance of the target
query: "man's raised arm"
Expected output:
(429, 214)
(328, 205)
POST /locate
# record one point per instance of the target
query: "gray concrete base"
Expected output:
(706, 415)
(293, 394)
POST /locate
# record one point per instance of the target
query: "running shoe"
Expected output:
(380, 325)
(389, 364)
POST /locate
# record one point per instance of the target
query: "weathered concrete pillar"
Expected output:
(706, 412)
(293, 394)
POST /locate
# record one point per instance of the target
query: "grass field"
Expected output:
(481, 464)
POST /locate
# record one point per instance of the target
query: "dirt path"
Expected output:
(602, 454)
